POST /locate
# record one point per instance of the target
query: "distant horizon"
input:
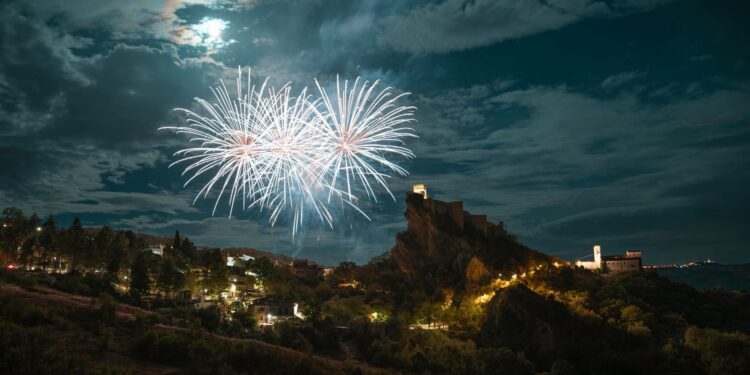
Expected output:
(168, 235)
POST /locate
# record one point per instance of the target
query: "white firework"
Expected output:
(229, 145)
(290, 157)
(362, 131)
(276, 151)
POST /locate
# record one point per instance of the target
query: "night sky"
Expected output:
(623, 122)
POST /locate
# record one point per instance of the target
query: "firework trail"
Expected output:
(276, 151)
(362, 130)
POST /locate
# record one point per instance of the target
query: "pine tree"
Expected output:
(139, 281)
(48, 241)
(216, 274)
(188, 249)
(177, 244)
(166, 277)
(76, 226)
(75, 243)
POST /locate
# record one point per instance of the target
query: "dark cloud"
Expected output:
(37, 66)
(136, 89)
(577, 121)
(575, 160)
(454, 25)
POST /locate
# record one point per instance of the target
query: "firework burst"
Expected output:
(362, 131)
(273, 150)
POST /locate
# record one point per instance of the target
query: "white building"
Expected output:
(158, 250)
(631, 261)
(243, 257)
(596, 264)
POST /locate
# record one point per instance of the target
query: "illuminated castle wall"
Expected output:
(455, 211)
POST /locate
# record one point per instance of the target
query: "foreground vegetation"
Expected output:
(565, 323)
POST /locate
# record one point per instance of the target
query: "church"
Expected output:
(612, 264)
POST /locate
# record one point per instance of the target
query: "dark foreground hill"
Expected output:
(45, 331)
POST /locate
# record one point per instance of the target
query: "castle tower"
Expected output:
(420, 189)
(598, 255)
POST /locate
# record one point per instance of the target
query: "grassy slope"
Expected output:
(75, 323)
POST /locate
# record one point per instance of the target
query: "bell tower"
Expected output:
(598, 255)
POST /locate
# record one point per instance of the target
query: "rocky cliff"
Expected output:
(451, 247)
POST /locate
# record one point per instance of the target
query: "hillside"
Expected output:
(455, 295)
(43, 330)
(711, 275)
(443, 242)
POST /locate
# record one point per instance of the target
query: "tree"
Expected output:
(76, 226)
(261, 266)
(562, 367)
(169, 279)
(27, 250)
(503, 361)
(176, 244)
(116, 254)
(75, 243)
(216, 275)
(429, 313)
(187, 248)
(12, 230)
(346, 272)
(721, 352)
(139, 280)
(48, 240)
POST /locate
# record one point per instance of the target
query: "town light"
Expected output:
(38, 229)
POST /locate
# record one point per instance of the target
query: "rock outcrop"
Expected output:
(448, 246)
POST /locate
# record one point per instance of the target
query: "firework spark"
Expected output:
(273, 150)
(362, 131)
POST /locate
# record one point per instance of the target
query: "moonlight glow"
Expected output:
(273, 150)
(209, 32)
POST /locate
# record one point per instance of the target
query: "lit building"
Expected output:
(420, 189)
(596, 264)
(157, 249)
(243, 257)
(631, 261)
(270, 312)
